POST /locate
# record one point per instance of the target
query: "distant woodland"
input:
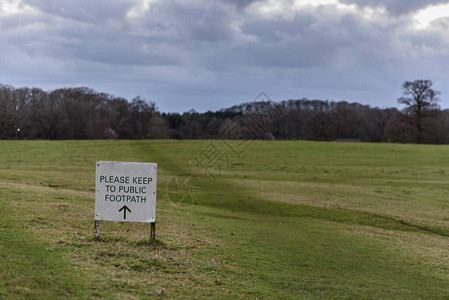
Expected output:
(82, 113)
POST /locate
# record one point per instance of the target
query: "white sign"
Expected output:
(125, 191)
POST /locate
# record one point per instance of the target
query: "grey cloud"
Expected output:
(188, 24)
(203, 49)
(70, 35)
(396, 7)
(177, 33)
(318, 40)
(95, 12)
(240, 3)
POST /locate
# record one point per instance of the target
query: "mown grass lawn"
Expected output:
(284, 219)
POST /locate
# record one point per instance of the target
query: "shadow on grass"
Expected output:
(152, 243)
(107, 239)
(340, 215)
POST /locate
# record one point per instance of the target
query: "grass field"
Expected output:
(284, 219)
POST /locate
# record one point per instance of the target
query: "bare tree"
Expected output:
(8, 112)
(420, 99)
(158, 127)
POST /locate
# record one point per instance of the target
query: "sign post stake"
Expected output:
(153, 231)
(97, 228)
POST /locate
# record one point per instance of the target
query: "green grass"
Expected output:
(287, 219)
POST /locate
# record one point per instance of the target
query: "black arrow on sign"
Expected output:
(124, 208)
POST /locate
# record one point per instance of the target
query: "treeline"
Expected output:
(82, 113)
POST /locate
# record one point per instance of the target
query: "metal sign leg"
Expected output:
(153, 231)
(97, 229)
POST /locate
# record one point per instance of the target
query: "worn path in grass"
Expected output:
(304, 247)
(287, 219)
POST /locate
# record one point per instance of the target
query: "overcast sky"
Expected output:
(213, 54)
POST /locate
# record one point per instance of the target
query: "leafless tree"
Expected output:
(420, 99)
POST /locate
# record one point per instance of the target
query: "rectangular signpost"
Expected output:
(126, 192)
